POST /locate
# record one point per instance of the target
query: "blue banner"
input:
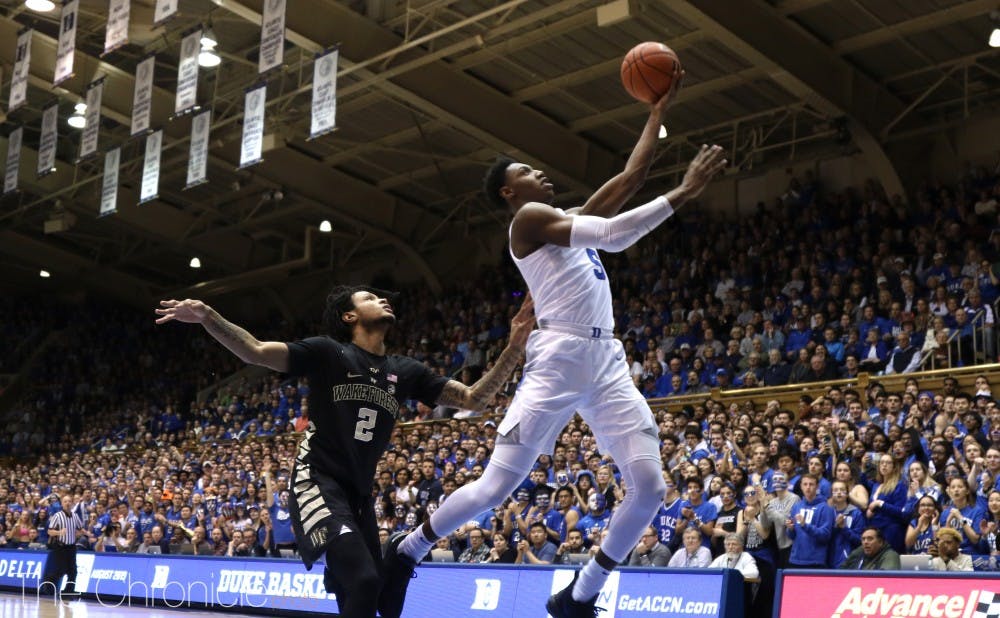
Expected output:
(284, 585)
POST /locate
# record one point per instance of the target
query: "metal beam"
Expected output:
(950, 15)
(687, 93)
(804, 66)
(607, 67)
(789, 7)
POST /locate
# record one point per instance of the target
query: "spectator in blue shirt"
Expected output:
(810, 526)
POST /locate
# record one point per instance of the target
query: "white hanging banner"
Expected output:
(91, 130)
(187, 72)
(163, 11)
(253, 125)
(150, 189)
(324, 94)
(142, 97)
(201, 124)
(47, 142)
(272, 36)
(109, 187)
(13, 160)
(67, 42)
(19, 78)
(117, 32)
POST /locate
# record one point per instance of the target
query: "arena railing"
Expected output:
(788, 395)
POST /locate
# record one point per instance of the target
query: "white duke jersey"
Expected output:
(568, 285)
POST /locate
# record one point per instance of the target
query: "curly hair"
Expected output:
(495, 178)
(339, 301)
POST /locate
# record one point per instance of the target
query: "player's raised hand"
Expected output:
(709, 161)
(660, 107)
(189, 311)
(523, 323)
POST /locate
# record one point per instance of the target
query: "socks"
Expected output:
(592, 578)
(416, 545)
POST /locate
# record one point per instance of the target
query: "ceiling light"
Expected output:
(78, 120)
(208, 38)
(44, 274)
(995, 38)
(40, 6)
(663, 131)
(208, 59)
(195, 263)
(325, 226)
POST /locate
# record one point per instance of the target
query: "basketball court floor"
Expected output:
(14, 606)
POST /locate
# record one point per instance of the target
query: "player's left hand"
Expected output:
(523, 323)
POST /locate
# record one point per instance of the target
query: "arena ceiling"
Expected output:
(429, 91)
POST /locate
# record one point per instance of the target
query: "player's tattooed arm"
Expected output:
(479, 395)
(271, 354)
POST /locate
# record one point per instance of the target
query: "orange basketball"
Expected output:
(648, 71)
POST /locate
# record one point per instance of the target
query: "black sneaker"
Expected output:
(397, 570)
(562, 605)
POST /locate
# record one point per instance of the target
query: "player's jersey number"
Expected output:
(364, 430)
(596, 260)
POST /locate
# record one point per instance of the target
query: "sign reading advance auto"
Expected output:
(892, 597)
(286, 585)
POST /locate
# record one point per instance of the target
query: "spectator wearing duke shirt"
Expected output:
(697, 513)
(810, 526)
(848, 524)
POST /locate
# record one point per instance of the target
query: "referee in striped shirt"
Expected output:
(63, 528)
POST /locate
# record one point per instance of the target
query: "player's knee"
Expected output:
(368, 579)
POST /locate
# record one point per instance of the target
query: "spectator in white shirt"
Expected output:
(693, 554)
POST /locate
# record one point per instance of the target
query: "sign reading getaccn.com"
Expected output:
(117, 580)
(864, 596)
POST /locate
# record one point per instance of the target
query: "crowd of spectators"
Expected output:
(817, 286)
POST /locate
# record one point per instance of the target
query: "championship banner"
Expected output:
(19, 78)
(187, 72)
(272, 36)
(67, 42)
(253, 125)
(197, 174)
(13, 160)
(91, 130)
(117, 32)
(109, 187)
(47, 141)
(324, 95)
(150, 189)
(142, 97)
(163, 11)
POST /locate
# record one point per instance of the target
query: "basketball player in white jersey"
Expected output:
(573, 362)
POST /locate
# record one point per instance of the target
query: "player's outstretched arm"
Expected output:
(538, 223)
(270, 354)
(612, 196)
(479, 395)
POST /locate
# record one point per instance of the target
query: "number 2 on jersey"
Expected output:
(596, 260)
(363, 431)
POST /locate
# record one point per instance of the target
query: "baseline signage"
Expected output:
(266, 585)
(854, 594)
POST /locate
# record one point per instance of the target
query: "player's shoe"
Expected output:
(397, 570)
(562, 604)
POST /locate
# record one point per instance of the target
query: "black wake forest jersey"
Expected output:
(354, 400)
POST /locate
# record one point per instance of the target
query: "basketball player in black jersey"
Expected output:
(355, 393)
